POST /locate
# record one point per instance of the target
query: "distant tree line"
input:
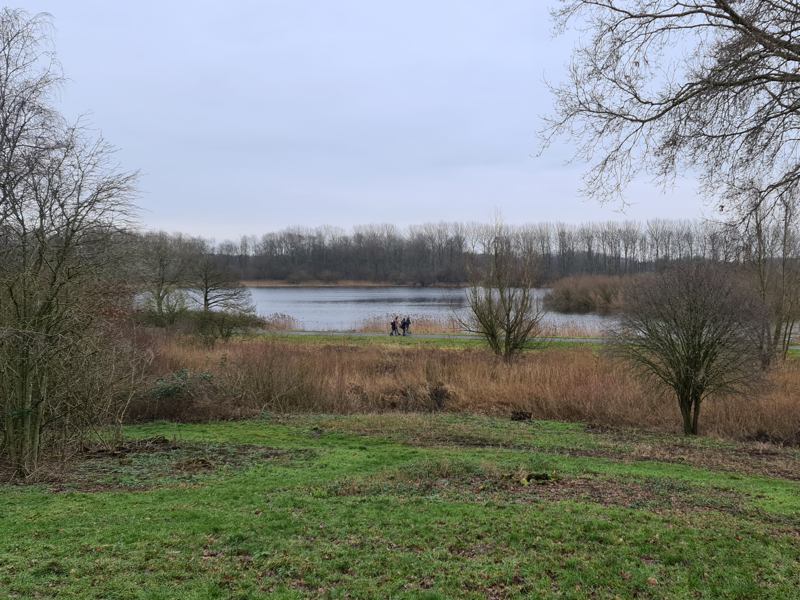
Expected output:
(442, 253)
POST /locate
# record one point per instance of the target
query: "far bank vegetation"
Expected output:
(582, 294)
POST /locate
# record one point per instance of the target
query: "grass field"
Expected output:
(407, 506)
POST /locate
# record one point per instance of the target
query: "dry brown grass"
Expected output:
(419, 324)
(250, 377)
(574, 330)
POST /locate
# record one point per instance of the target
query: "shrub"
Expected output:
(182, 395)
(209, 326)
(216, 325)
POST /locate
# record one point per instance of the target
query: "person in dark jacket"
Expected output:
(394, 327)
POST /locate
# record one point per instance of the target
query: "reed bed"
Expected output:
(419, 324)
(586, 294)
(281, 322)
(574, 329)
(246, 378)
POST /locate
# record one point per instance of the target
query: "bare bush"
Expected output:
(502, 301)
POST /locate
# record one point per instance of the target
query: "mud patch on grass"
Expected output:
(461, 481)
(140, 465)
(750, 457)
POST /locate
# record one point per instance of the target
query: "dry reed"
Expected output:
(246, 378)
(586, 294)
(419, 324)
(574, 329)
(281, 322)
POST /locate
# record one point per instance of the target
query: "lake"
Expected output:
(344, 308)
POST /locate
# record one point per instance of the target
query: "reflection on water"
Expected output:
(344, 308)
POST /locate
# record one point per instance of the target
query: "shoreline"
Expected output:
(276, 283)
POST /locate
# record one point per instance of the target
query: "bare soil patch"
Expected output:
(751, 457)
(140, 465)
(522, 486)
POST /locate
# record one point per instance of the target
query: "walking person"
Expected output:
(404, 325)
(407, 326)
(394, 327)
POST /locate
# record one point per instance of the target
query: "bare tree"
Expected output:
(215, 287)
(503, 306)
(694, 330)
(771, 252)
(661, 85)
(62, 203)
(165, 262)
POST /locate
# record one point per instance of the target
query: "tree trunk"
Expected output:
(25, 459)
(690, 411)
(696, 417)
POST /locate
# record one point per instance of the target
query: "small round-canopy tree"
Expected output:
(695, 330)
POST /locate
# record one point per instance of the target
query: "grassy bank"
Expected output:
(407, 506)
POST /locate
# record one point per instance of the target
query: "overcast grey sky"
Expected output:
(252, 115)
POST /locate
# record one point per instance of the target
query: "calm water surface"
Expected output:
(344, 308)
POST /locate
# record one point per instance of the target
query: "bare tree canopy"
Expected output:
(663, 85)
(695, 330)
(165, 262)
(213, 286)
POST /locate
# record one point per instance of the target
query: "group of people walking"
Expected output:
(403, 325)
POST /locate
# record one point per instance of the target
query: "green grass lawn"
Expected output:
(407, 506)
